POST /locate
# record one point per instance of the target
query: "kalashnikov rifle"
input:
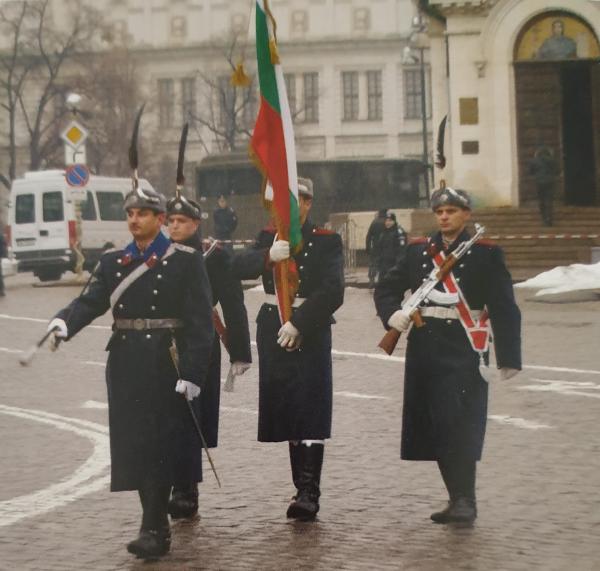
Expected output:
(413, 303)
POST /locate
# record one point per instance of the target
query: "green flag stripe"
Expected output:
(266, 70)
(295, 230)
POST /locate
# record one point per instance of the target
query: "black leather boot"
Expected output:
(184, 501)
(154, 539)
(305, 504)
(459, 477)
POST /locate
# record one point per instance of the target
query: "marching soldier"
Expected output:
(295, 379)
(445, 395)
(183, 216)
(159, 296)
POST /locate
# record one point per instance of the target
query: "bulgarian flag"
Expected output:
(273, 149)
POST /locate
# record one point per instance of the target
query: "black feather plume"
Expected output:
(181, 157)
(440, 159)
(133, 147)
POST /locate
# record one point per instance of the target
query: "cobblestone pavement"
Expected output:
(537, 484)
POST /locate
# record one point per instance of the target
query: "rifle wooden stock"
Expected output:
(390, 340)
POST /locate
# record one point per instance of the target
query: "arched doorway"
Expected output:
(557, 84)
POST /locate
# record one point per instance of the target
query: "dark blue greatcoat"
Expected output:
(151, 432)
(295, 388)
(226, 292)
(445, 396)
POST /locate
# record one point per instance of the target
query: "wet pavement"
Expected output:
(537, 484)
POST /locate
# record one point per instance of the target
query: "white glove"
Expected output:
(239, 368)
(280, 250)
(288, 337)
(507, 373)
(400, 320)
(190, 390)
(60, 333)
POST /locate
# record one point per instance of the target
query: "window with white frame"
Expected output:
(188, 99)
(290, 87)
(350, 95)
(311, 97)
(374, 96)
(412, 94)
(166, 102)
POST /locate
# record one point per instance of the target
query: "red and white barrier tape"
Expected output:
(542, 236)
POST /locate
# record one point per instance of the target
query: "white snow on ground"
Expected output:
(577, 282)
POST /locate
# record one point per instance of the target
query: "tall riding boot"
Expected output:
(305, 505)
(154, 539)
(184, 501)
(295, 461)
(459, 477)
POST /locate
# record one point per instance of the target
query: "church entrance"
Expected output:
(557, 84)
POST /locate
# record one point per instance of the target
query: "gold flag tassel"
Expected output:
(239, 77)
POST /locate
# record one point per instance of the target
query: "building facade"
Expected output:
(513, 77)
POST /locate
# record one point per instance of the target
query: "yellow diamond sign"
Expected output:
(74, 135)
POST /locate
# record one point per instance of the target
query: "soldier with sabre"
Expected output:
(159, 294)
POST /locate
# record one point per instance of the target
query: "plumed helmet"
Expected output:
(305, 186)
(447, 196)
(146, 199)
(182, 205)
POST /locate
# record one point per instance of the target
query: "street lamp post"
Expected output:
(420, 41)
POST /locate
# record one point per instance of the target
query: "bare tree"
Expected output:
(111, 87)
(228, 111)
(33, 76)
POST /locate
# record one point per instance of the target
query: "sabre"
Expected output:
(27, 357)
(175, 359)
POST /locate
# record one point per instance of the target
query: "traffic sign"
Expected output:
(74, 135)
(77, 175)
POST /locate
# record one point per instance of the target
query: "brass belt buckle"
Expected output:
(138, 324)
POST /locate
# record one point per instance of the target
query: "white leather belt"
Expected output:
(272, 300)
(445, 313)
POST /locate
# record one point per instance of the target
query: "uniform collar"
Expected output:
(155, 250)
(438, 241)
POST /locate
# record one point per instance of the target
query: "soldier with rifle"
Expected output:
(460, 286)
(294, 358)
(159, 296)
(183, 217)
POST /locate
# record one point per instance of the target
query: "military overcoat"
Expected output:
(445, 395)
(228, 294)
(150, 426)
(295, 388)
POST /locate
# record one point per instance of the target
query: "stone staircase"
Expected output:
(529, 246)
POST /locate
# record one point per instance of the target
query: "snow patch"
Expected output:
(577, 282)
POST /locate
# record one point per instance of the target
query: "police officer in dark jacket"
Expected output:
(391, 244)
(225, 219)
(159, 294)
(295, 381)
(445, 395)
(372, 244)
(184, 217)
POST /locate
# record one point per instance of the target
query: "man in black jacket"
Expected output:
(225, 220)
(294, 358)
(445, 395)
(184, 217)
(159, 295)
(372, 244)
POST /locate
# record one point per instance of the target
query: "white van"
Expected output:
(42, 221)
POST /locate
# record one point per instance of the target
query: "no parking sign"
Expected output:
(77, 177)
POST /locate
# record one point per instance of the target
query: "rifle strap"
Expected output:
(477, 328)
